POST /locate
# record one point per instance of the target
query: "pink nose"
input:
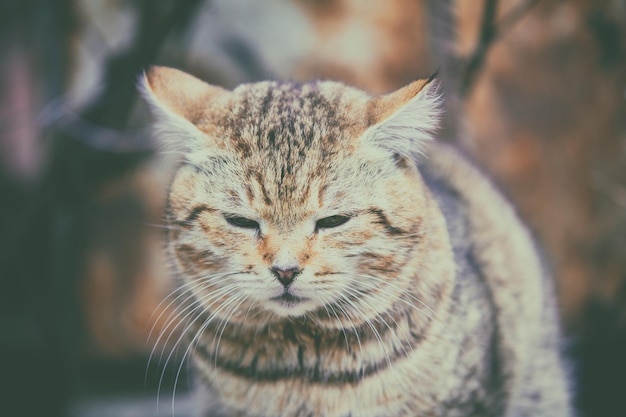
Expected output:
(285, 276)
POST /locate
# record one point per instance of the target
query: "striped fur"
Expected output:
(427, 300)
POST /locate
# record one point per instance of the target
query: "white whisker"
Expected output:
(356, 334)
(210, 298)
(328, 306)
(162, 226)
(190, 309)
(196, 339)
(369, 323)
(430, 314)
(363, 299)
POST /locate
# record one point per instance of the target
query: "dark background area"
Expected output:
(540, 91)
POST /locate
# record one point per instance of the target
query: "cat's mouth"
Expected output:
(288, 299)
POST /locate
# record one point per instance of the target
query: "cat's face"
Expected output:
(293, 199)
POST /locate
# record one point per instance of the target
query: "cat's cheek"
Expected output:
(223, 241)
(383, 256)
(191, 261)
(379, 265)
(339, 243)
(403, 205)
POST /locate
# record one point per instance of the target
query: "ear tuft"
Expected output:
(405, 120)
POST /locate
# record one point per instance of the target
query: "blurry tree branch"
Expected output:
(156, 22)
(47, 228)
(86, 147)
(490, 31)
(101, 125)
(514, 16)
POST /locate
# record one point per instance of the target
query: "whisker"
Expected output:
(198, 305)
(216, 347)
(173, 349)
(190, 295)
(433, 316)
(327, 305)
(196, 339)
(192, 307)
(202, 282)
(369, 323)
(392, 332)
(186, 329)
(161, 226)
(187, 287)
(189, 309)
(356, 334)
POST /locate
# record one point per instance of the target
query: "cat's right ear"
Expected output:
(405, 120)
(178, 102)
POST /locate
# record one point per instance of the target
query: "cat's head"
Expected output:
(293, 198)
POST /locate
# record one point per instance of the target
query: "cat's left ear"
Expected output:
(402, 122)
(178, 102)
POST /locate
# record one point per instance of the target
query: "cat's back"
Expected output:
(491, 242)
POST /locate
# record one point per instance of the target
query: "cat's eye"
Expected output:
(332, 221)
(242, 222)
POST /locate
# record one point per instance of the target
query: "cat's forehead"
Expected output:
(284, 134)
(283, 114)
(288, 136)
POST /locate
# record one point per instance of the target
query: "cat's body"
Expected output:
(332, 272)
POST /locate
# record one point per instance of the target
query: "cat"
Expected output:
(334, 260)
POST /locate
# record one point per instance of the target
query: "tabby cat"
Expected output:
(336, 262)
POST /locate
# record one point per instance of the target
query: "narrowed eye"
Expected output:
(332, 221)
(242, 222)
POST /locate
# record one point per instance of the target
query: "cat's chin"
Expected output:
(288, 304)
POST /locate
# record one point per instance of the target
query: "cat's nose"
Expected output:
(285, 276)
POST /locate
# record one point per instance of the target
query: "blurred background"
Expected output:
(537, 98)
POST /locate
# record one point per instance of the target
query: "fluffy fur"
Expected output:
(417, 291)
